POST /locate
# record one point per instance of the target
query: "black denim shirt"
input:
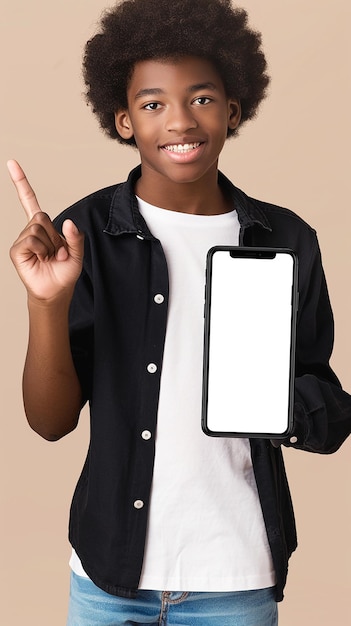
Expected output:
(118, 325)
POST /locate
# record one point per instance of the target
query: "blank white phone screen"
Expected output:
(250, 344)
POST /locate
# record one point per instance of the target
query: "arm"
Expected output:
(51, 390)
(322, 409)
(49, 266)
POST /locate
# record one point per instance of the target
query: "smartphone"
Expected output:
(251, 302)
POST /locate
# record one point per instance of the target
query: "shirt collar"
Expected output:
(125, 217)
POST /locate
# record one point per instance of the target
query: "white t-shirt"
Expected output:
(206, 530)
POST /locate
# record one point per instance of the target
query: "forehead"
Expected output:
(169, 74)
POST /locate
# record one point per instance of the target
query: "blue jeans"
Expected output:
(90, 606)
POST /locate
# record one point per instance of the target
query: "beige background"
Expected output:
(296, 153)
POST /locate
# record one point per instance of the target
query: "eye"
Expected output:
(202, 100)
(151, 106)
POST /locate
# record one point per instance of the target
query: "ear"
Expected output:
(234, 113)
(123, 124)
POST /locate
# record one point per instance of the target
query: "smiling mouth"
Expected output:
(182, 148)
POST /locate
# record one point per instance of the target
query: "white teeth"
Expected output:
(182, 147)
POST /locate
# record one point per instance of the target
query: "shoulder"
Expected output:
(280, 223)
(277, 226)
(288, 229)
(278, 214)
(91, 210)
(271, 217)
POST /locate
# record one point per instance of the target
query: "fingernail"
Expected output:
(73, 227)
(61, 254)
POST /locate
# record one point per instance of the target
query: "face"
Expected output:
(179, 115)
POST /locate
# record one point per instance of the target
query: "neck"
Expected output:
(199, 197)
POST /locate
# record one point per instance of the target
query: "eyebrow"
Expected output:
(200, 86)
(154, 91)
(148, 92)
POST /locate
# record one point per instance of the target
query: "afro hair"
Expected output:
(139, 30)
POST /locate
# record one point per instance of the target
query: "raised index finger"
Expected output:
(25, 192)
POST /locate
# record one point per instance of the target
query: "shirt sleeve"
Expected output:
(81, 328)
(81, 314)
(322, 412)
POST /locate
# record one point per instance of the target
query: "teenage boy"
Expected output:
(167, 525)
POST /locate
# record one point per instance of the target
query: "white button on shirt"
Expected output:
(152, 368)
(138, 504)
(159, 298)
(146, 435)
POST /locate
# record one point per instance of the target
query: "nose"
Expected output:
(180, 119)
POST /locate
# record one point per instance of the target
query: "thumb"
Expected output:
(74, 239)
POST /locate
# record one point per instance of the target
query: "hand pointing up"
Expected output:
(47, 263)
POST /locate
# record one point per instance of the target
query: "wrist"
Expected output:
(56, 303)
